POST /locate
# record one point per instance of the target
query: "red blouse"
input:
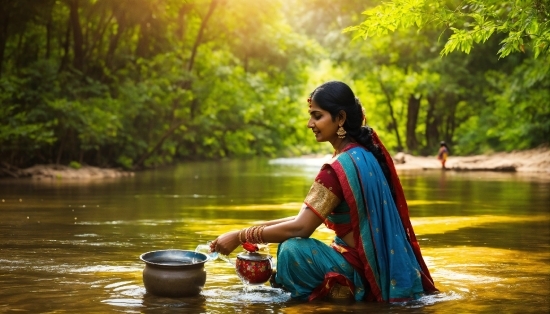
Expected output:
(326, 199)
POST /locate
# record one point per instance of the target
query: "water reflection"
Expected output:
(73, 246)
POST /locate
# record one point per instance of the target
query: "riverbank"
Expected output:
(534, 161)
(50, 172)
(528, 161)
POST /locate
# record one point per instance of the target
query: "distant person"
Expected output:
(443, 153)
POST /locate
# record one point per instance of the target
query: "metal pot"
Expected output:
(254, 268)
(174, 273)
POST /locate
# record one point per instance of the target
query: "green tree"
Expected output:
(475, 95)
(524, 23)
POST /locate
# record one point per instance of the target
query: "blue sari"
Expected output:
(384, 267)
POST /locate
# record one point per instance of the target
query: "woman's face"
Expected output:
(320, 122)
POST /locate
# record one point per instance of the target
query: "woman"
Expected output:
(375, 255)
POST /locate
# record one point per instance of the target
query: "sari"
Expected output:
(385, 265)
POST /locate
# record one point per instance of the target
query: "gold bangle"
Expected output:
(240, 232)
(260, 233)
(247, 235)
(256, 235)
(253, 234)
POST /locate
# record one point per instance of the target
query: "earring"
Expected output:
(341, 132)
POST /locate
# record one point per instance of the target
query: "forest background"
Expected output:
(143, 83)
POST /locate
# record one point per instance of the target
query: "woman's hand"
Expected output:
(226, 243)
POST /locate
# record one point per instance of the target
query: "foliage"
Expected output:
(142, 83)
(525, 23)
(518, 112)
(476, 102)
(75, 165)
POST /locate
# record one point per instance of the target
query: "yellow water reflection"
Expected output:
(436, 225)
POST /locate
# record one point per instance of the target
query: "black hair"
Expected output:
(442, 143)
(335, 96)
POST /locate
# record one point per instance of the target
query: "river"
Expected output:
(74, 246)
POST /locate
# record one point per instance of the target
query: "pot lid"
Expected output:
(253, 256)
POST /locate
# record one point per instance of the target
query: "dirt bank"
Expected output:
(529, 161)
(48, 172)
(533, 160)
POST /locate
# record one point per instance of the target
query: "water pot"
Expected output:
(254, 268)
(174, 273)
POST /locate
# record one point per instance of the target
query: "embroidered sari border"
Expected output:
(321, 200)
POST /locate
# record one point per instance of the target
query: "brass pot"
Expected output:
(174, 273)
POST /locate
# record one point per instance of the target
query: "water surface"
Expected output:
(73, 245)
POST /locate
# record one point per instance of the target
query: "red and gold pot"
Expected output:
(254, 268)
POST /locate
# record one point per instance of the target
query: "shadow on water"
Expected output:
(73, 246)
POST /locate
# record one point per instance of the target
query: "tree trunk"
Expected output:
(66, 45)
(447, 130)
(392, 115)
(182, 20)
(157, 146)
(412, 119)
(99, 32)
(432, 121)
(60, 150)
(4, 26)
(48, 36)
(78, 38)
(142, 47)
(120, 16)
(198, 40)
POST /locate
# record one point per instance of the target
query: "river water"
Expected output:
(69, 246)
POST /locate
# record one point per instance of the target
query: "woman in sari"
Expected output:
(375, 255)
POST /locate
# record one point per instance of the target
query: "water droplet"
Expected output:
(27, 217)
(20, 200)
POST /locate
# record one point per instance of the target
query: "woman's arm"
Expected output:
(324, 195)
(275, 221)
(303, 225)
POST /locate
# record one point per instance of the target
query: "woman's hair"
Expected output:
(335, 96)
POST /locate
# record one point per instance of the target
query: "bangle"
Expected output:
(247, 235)
(260, 232)
(257, 234)
(239, 235)
(253, 234)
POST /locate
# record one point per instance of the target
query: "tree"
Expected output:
(492, 104)
(524, 23)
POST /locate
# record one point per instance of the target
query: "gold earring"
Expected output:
(341, 132)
